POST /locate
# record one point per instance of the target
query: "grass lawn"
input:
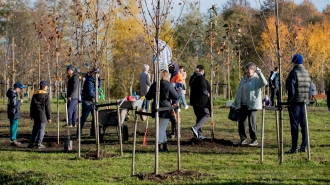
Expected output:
(202, 162)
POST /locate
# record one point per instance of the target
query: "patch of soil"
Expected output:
(93, 155)
(180, 175)
(207, 143)
(321, 96)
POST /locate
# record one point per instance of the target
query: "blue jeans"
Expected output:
(38, 132)
(86, 109)
(13, 129)
(297, 117)
(145, 104)
(183, 99)
(72, 108)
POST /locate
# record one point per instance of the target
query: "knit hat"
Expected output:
(297, 59)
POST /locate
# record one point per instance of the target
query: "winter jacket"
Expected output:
(167, 93)
(274, 80)
(298, 84)
(253, 91)
(144, 83)
(199, 90)
(72, 86)
(13, 107)
(40, 109)
(88, 92)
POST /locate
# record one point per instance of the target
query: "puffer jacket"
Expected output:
(13, 107)
(253, 91)
(40, 106)
(167, 93)
(298, 84)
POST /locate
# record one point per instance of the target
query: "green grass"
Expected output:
(219, 165)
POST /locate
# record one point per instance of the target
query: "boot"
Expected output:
(159, 148)
(165, 149)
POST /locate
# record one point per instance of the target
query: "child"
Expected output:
(13, 111)
(40, 112)
(266, 101)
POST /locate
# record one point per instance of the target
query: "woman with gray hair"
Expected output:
(248, 102)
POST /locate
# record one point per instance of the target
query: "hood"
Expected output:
(176, 68)
(40, 92)
(10, 93)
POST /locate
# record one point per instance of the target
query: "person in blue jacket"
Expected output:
(13, 111)
(87, 96)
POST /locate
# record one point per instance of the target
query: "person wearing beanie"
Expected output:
(13, 111)
(248, 101)
(297, 86)
(200, 100)
(145, 85)
(72, 95)
(40, 112)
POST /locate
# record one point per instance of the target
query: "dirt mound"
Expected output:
(103, 154)
(207, 143)
(181, 174)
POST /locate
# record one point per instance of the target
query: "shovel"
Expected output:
(68, 142)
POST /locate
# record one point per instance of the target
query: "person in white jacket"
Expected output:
(248, 101)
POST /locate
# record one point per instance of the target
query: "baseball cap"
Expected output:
(70, 67)
(44, 83)
(19, 85)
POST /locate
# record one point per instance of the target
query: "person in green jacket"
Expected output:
(248, 101)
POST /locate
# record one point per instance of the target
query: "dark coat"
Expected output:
(13, 108)
(275, 81)
(328, 96)
(199, 90)
(40, 109)
(88, 92)
(167, 93)
(72, 88)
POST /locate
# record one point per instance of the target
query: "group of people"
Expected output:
(172, 91)
(248, 101)
(40, 112)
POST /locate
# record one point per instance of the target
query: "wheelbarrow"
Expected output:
(108, 117)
